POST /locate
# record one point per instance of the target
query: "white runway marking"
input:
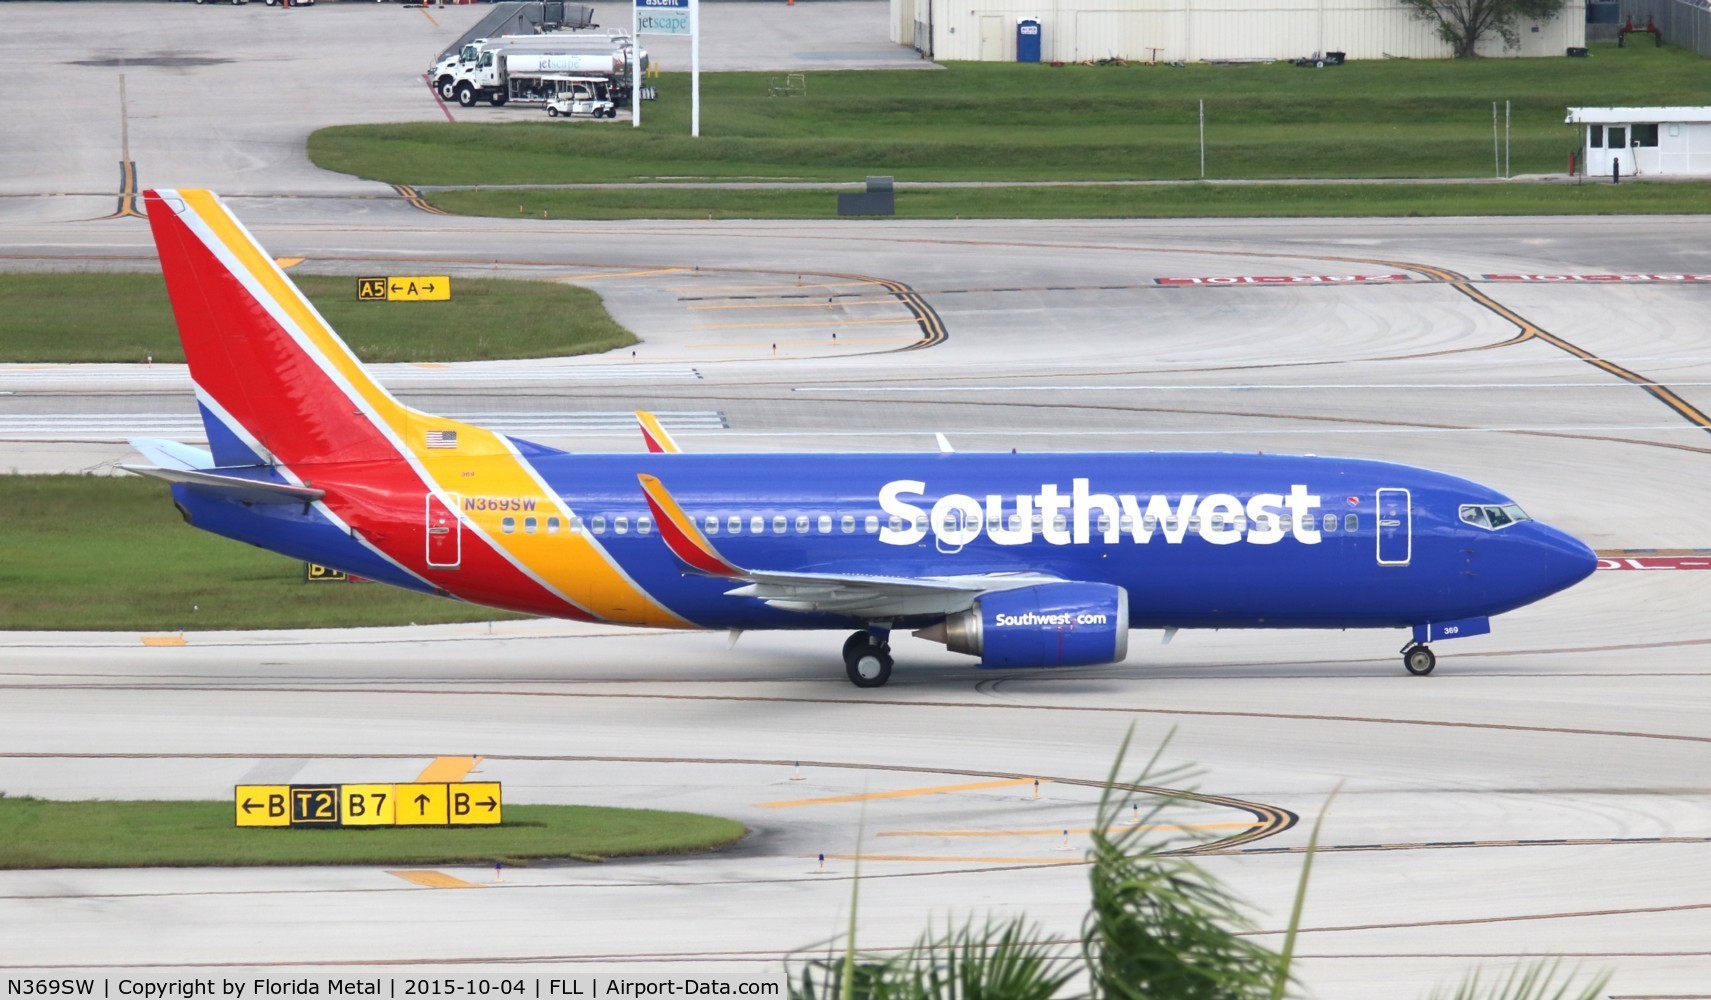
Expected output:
(1246, 386)
(526, 370)
(185, 426)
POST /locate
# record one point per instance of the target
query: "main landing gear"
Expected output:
(867, 659)
(1417, 659)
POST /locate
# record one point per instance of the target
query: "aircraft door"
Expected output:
(445, 533)
(1395, 527)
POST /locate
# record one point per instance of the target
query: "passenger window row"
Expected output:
(848, 524)
(619, 524)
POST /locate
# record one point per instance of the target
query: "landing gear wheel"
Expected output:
(856, 641)
(1418, 660)
(868, 665)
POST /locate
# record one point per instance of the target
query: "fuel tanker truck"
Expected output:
(524, 70)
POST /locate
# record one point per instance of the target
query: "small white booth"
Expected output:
(1648, 142)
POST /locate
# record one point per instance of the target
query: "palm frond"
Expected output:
(1161, 926)
(990, 961)
(1540, 980)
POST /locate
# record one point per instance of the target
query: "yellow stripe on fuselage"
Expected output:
(482, 463)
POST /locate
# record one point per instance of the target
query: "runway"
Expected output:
(1544, 793)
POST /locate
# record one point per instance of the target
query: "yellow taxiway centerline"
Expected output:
(619, 274)
(436, 880)
(720, 345)
(887, 301)
(758, 288)
(1057, 831)
(970, 859)
(807, 322)
(447, 769)
(901, 793)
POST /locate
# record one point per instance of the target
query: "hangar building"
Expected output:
(1196, 30)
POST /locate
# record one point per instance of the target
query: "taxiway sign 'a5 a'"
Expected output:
(1021, 560)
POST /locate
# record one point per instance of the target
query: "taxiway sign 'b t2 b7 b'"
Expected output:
(1021, 560)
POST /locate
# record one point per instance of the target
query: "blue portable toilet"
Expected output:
(1028, 39)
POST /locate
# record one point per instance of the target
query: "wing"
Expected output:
(862, 595)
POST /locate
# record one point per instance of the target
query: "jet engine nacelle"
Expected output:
(1050, 625)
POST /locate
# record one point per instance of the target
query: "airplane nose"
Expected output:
(1563, 559)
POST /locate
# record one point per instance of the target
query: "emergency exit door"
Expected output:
(445, 533)
(1395, 527)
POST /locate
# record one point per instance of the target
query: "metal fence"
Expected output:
(1686, 23)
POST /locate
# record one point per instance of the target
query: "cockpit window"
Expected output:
(1493, 516)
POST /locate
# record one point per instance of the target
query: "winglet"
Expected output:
(659, 441)
(681, 535)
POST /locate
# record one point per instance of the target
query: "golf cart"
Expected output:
(580, 95)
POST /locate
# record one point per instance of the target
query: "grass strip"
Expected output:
(1105, 201)
(89, 317)
(36, 833)
(998, 121)
(102, 552)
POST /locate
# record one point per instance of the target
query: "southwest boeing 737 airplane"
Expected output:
(1021, 560)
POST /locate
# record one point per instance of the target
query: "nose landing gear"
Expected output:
(867, 659)
(1418, 660)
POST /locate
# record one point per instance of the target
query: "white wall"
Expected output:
(1194, 30)
(1687, 152)
(903, 21)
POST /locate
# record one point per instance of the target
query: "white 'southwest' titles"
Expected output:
(1074, 518)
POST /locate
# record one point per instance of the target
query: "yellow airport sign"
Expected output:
(314, 805)
(405, 288)
(421, 805)
(474, 803)
(367, 805)
(262, 805)
(317, 573)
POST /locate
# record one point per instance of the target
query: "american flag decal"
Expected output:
(442, 439)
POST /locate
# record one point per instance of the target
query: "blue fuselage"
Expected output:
(1199, 540)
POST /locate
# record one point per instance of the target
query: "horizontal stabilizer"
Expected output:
(173, 455)
(236, 487)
